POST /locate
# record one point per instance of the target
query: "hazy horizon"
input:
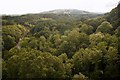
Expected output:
(20, 7)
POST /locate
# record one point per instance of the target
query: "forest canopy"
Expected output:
(61, 46)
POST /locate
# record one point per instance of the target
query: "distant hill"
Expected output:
(67, 11)
(53, 15)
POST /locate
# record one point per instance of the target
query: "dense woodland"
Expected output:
(61, 46)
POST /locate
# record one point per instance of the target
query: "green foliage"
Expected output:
(95, 22)
(86, 29)
(96, 38)
(29, 63)
(112, 64)
(11, 35)
(73, 42)
(87, 57)
(113, 17)
(9, 42)
(61, 46)
(105, 27)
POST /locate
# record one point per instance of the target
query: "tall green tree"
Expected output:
(105, 27)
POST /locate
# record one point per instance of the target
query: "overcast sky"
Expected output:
(36, 6)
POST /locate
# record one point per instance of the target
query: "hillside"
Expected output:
(114, 16)
(63, 44)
